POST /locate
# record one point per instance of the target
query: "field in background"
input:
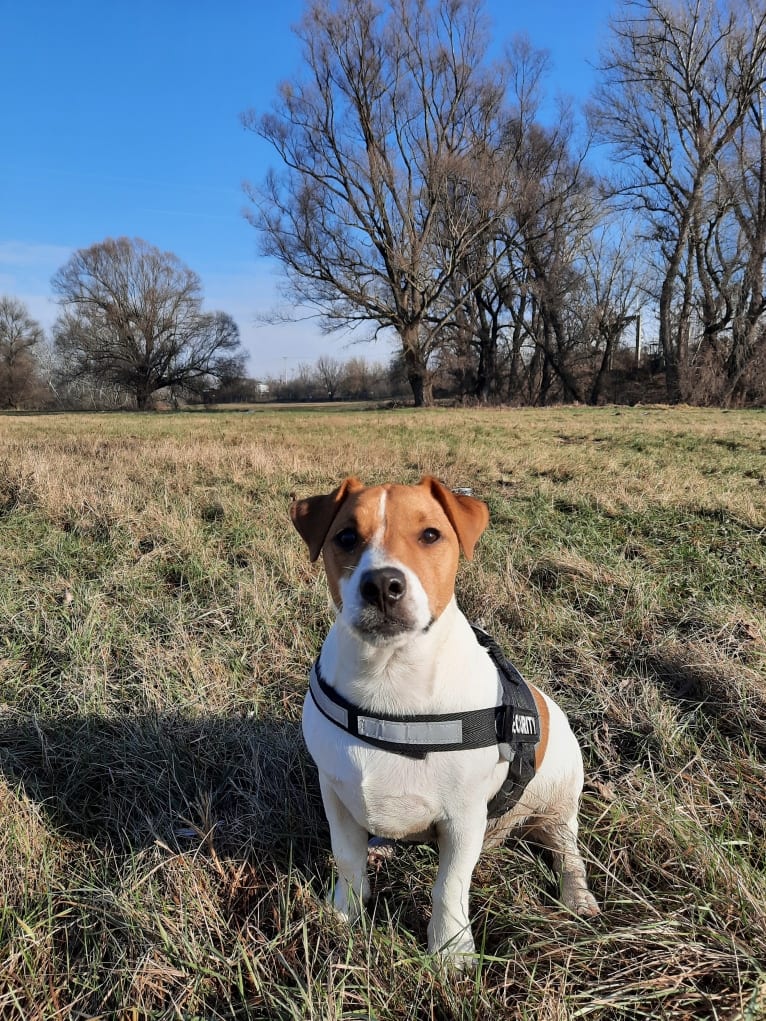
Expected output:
(162, 845)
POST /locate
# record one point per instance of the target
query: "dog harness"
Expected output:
(514, 726)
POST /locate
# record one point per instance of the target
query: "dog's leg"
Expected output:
(349, 847)
(449, 931)
(561, 839)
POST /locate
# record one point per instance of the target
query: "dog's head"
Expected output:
(390, 552)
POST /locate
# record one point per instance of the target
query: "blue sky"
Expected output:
(123, 119)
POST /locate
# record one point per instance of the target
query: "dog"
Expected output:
(400, 673)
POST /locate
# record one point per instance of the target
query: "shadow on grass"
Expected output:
(715, 690)
(126, 782)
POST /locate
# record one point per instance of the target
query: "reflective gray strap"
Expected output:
(446, 732)
(328, 707)
(403, 732)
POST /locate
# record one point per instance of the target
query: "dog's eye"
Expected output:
(430, 536)
(347, 539)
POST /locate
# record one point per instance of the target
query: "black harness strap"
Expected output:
(514, 726)
(414, 736)
(522, 733)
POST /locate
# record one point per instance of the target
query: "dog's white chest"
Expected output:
(389, 795)
(393, 795)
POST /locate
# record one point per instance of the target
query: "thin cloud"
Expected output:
(31, 255)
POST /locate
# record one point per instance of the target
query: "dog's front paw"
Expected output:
(346, 905)
(586, 905)
(578, 898)
(463, 961)
(347, 913)
(454, 950)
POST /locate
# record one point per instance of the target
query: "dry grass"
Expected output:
(162, 842)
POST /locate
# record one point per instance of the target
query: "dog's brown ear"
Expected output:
(314, 515)
(468, 516)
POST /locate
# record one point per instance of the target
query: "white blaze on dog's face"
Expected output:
(390, 552)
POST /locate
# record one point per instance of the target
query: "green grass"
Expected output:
(163, 852)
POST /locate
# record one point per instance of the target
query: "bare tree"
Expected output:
(556, 280)
(387, 148)
(132, 317)
(748, 191)
(485, 269)
(614, 282)
(730, 250)
(363, 379)
(555, 211)
(19, 336)
(331, 373)
(677, 80)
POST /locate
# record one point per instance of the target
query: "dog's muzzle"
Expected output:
(384, 607)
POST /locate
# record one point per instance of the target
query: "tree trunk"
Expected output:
(598, 381)
(418, 375)
(143, 393)
(674, 349)
(667, 345)
(517, 340)
(554, 342)
(545, 380)
(486, 382)
(422, 388)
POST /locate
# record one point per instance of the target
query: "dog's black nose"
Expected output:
(383, 587)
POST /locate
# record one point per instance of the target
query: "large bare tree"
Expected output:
(391, 165)
(730, 259)
(133, 317)
(677, 81)
(488, 273)
(20, 334)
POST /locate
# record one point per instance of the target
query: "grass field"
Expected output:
(163, 852)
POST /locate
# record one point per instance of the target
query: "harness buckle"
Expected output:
(504, 724)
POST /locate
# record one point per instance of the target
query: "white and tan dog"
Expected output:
(400, 646)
